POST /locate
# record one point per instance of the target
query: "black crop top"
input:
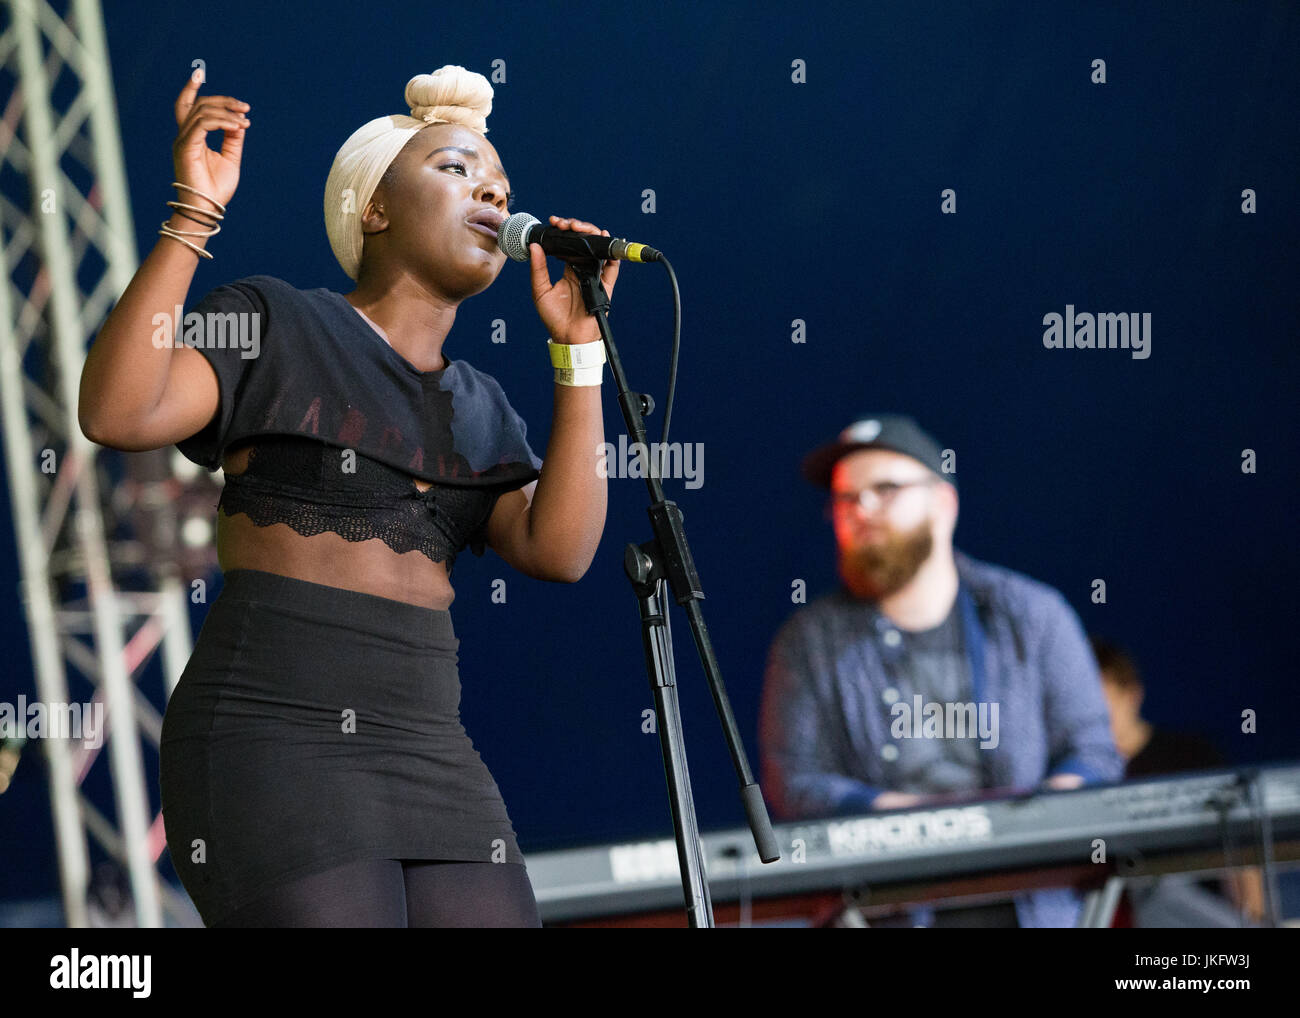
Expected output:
(304, 362)
(314, 489)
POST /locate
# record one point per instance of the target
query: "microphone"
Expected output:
(521, 229)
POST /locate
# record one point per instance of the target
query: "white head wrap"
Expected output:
(450, 95)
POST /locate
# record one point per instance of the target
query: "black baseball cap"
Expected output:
(894, 432)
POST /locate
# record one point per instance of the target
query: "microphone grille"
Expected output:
(510, 238)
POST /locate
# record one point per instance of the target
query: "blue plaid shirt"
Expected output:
(824, 736)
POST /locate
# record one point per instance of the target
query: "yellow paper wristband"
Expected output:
(581, 355)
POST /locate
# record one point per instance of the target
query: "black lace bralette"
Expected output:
(314, 487)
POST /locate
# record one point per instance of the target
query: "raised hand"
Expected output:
(210, 171)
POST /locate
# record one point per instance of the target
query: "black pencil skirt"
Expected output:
(315, 726)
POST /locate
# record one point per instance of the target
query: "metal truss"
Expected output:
(68, 253)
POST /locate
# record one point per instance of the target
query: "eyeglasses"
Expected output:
(882, 494)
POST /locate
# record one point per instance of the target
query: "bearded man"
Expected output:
(929, 675)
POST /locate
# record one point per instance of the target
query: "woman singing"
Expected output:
(314, 770)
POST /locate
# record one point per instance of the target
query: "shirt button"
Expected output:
(889, 694)
(892, 638)
(889, 752)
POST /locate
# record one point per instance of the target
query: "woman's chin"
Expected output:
(494, 266)
(471, 276)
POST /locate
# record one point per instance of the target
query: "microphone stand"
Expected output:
(665, 561)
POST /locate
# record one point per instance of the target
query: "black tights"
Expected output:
(396, 892)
